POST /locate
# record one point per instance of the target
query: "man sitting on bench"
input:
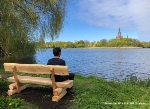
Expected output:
(57, 61)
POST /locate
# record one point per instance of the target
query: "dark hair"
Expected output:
(56, 51)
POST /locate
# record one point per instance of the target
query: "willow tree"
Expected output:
(22, 21)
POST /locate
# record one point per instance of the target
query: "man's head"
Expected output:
(57, 51)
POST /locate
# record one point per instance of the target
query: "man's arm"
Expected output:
(64, 63)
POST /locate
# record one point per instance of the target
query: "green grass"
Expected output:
(11, 103)
(1, 71)
(96, 93)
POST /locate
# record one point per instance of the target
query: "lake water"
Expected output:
(109, 64)
(106, 63)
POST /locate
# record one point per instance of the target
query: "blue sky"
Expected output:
(94, 20)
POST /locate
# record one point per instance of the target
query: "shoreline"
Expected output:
(116, 47)
(105, 48)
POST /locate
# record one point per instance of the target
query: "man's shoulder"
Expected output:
(56, 61)
(61, 59)
(62, 62)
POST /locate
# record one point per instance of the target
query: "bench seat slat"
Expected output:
(41, 81)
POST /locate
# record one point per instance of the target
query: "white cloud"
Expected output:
(133, 15)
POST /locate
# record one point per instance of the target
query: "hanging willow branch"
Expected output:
(20, 20)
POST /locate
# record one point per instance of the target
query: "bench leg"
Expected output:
(12, 86)
(58, 91)
(16, 78)
(57, 98)
(13, 89)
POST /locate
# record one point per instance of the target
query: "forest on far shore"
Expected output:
(122, 42)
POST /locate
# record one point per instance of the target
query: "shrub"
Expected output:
(3, 85)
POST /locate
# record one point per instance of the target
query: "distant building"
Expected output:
(119, 35)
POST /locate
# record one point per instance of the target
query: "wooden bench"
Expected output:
(59, 88)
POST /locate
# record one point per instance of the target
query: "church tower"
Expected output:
(119, 35)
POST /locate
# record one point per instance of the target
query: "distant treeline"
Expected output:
(123, 42)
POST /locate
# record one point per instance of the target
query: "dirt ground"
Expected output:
(42, 97)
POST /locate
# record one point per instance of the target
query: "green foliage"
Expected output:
(19, 47)
(40, 43)
(21, 22)
(3, 85)
(97, 93)
(59, 44)
(79, 44)
(10, 103)
(123, 42)
(102, 43)
(145, 44)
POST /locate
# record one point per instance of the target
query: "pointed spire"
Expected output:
(119, 29)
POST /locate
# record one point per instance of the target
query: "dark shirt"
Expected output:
(57, 61)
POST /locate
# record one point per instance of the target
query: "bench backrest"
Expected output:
(36, 68)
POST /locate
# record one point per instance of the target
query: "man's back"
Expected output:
(56, 61)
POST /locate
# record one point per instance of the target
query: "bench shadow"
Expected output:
(42, 97)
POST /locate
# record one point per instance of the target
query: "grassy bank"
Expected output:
(96, 93)
(12, 103)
